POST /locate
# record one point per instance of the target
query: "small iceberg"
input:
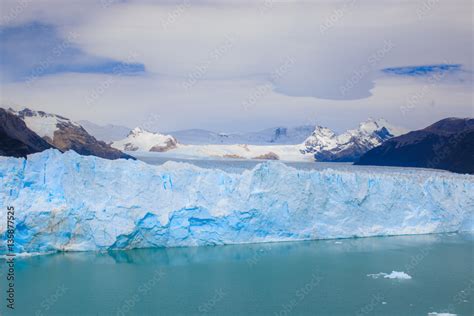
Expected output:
(393, 275)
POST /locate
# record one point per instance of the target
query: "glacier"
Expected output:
(68, 202)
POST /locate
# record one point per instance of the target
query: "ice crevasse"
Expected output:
(68, 202)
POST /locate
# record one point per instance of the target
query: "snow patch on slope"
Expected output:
(43, 124)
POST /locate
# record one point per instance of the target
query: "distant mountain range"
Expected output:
(270, 136)
(27, 131)
(320, 145)
(447, 144)
(306, 141)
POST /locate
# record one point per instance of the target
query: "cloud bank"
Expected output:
(244, 65)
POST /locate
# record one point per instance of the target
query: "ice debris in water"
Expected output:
(393, 275)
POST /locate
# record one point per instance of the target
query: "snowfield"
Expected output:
(43, 124)
(268, 152)
(67, 202)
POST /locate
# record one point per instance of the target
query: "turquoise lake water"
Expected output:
(327, 277)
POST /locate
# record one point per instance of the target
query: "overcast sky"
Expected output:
(239, 66)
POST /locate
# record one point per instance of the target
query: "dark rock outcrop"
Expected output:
(169, 144)
(447, 144)
(69, 137)
(268, 156)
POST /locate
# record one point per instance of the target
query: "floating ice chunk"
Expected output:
(393, 275)
(398, 275)
(376, 275)
(441, 314)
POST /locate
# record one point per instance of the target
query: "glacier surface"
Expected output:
(67, 202)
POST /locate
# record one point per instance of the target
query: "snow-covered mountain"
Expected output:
(270, 136)
(131, 204)
(16, 139)
(65, 134)
(141, 140)
(291, 144)
(322, 145)
(107, 133)
(326, 145)
(45, 124)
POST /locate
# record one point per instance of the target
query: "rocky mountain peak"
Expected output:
(65, 134)
(326, 145)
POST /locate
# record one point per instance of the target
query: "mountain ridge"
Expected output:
(16, 139)
(447, 144)
(63, 134)
(348, 146)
